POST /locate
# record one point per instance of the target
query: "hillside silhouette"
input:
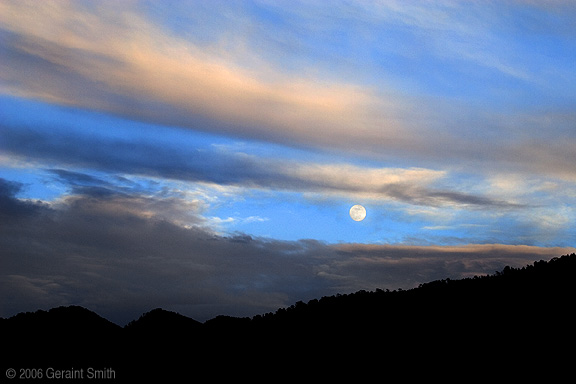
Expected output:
(526, 314)
(160, 321)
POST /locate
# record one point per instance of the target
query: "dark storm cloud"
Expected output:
(77, 150)
(103, 252)
(111, 254)
(10, 207)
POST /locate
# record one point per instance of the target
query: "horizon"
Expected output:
(497, 274)
(203, 158)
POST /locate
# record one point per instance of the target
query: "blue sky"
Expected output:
(452, 122)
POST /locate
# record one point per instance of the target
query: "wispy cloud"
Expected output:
(108, 52)
(111, 57)
(218, 166)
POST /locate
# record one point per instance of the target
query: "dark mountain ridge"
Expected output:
(158, 319)
(524, 312)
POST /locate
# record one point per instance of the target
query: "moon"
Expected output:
(357, 212)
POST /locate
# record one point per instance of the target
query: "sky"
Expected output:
(203, 156)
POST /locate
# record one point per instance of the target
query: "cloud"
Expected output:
(110, 57)
(117, 256)
(122, 247)
(14, 208)
(112, 254)
(106, 52)
(407, 265)
(219, 166)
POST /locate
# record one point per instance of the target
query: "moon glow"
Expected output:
(357, 212)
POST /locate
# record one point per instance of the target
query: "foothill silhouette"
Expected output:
(525, 314)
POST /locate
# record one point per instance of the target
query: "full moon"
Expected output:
(357, 212)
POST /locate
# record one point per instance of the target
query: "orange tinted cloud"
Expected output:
(117, 61)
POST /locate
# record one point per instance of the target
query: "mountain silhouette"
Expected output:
(72, 334)
(161, 321)
(517, 315)
(71, 319)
